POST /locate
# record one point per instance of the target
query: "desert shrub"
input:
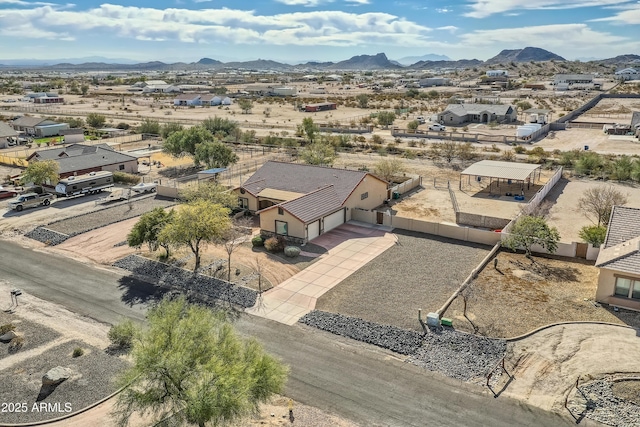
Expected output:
(519, 149)
(274, 244)
(292, 251)
(257, 241)
(122, 334)
(77, 352)
(6, 328)
(125, 178)
(16, 344)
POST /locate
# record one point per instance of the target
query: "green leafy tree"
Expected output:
(594, 234)
(413, 125)
(148, 228)
(191, 367)
(597, 202)
(219, 126)
(96, 120)
(245, 105)
(169, 128)
(211, 192)
(41, 172)
(319, 153)
(195, 225)
(214, 154)
(363, 100)
(75, 122)
(388, 168)
(184, 142)
(622, 168)
(84, 88)
(149, 126)
(310, 129)
(589, 163)
(386, 118)
(524, 105)
(529, 230)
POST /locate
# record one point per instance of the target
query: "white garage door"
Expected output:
(333, 220)
(313, 230)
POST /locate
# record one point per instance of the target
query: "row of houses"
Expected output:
(199, 100)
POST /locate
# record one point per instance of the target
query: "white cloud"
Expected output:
(629, 16)
(452, 29)
(307, 3)
(484, 8)
(328, 28)
(358, 2)
(26, 3)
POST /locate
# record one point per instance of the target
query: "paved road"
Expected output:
(356, 381)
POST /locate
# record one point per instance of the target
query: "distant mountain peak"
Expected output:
(524, 55)
(378, 61)
(208, 61)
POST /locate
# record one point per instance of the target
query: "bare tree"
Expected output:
(596, 203)
(447, 150)
(234, 237)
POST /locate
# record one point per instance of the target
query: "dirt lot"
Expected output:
(577, 138)
(520, 296)
(564, 213)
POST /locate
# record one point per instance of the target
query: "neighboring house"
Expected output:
(574, 81)
(619, 260)
(188, 100)
(303, 201)
(165, 88)
(322, 106)
(434, 81)
(628, 74)
(635, 123)
(38, 126)
(78, 159)
(497, 73)
(210, 100)
(48, 100)
(456, 114)
(6, 132)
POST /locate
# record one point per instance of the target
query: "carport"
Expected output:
(502, 172)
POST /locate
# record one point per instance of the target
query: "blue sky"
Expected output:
(326, 30)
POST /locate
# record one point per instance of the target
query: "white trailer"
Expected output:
(91, 183)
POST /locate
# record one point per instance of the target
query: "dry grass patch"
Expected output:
(520, 296)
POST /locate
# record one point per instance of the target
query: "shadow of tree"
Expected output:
(136, 291)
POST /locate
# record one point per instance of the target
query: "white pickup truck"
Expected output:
(31, 200)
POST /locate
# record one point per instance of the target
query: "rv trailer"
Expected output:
(91, 183)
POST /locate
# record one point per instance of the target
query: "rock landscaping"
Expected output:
(596, 400)
(452, 353)
(57, 232)
(89, 378)
(34, 335)
(209, 288)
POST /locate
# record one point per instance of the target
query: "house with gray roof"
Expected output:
(619, 260)
(38, 126)
(302, 202)
(6, 132)
(78, 159)
(457, 114)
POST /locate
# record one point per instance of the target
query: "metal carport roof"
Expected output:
(501, 170)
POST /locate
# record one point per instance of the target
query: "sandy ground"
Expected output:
(564, 213)
(576, 139)
(548, 363)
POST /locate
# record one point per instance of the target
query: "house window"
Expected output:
(243, 202)
(121, 167)
(627, 288)
(280, 211)
(282, 228)
(364, 195)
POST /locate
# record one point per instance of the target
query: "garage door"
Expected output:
(333, 220)
(313, 230)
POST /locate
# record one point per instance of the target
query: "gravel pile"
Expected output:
(452, 353)
(395, 339)
(598, 402)
(96, 371)
(47, 236)
(177, 278)
(458, 354)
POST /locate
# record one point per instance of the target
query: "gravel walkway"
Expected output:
(34, 335)
(58, 231)
(596, 400)
(95, 371)
(452, 353)
(420, 272)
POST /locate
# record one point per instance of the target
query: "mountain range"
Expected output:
(358, 62)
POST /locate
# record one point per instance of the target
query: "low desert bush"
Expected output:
(274, 244)
(292, 251)
(16, 344)
(6, 328)
(77, 352)
(122, 334)
(125, 178)
(257, 241)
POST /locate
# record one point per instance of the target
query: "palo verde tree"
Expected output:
(386, 118)
(149, 126)
(214, 154)
(245, 105)
(191, 367)
(211, 192)
(169, 128)
(195, 225)
(219, 127)
(41, 172)
(183, 143)
(388, 168)
(596, 203)
(319, 153)
(531, 230)
(309, 129)
(148, 228)
(96, 120)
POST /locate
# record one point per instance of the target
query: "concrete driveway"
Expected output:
(350, 246)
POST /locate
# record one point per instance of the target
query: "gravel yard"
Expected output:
(34, 335)
(421, 271)
(601, 400)
(93, 377)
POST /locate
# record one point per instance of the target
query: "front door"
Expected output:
(379, 217)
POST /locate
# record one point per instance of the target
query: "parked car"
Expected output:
(437, 127)
(7, 194)
(31, 200)
(421, 120)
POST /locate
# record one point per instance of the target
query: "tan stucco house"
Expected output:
(302, 202)
(619, 260)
